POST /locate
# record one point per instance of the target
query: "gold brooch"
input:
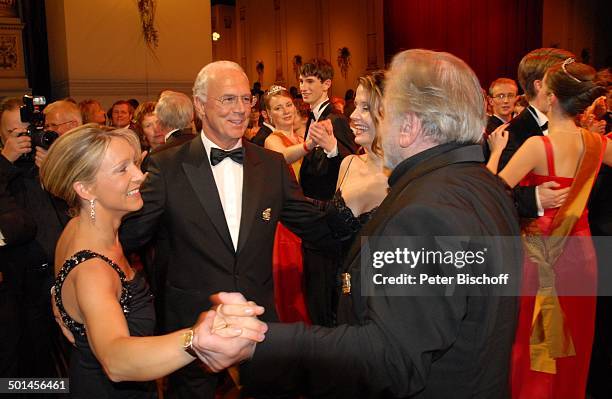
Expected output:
(346, 283)
(265, 215)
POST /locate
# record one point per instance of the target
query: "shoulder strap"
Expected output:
(550, 158)
(70, 264)
(347, 169)
(286, 141)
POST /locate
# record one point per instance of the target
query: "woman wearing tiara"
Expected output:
(552, 347)
(287, 255)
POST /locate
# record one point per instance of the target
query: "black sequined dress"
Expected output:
(87, 378)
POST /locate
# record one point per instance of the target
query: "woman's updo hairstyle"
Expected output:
(76, 157)
(574, 85)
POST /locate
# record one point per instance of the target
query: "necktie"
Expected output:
(217, 155)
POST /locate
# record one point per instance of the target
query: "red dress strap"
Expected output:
(550, 158)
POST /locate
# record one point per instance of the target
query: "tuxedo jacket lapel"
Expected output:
(199, 173)
(252, 185)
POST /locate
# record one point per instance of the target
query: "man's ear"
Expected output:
(537, 85)
(326, 84)
(199, 106)
(410, 128)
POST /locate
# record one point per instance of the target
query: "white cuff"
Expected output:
(540, 209)
(332, 153)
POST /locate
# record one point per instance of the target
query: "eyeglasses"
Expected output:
(502, 96)
(231, 101)
(55, 125)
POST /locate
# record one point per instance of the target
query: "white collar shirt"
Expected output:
(318, 110)
(228, 178)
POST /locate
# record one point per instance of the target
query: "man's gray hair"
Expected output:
(174, 110)
(441, 90)
(200, 87)
(69, 109)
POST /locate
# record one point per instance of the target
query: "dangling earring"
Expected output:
(92, 209)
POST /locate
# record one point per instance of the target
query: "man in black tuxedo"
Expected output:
(531, 201)
(216, 201)
(318, 178)
(415, 340)
(319, 171)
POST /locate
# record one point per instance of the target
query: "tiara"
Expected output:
(564, 66)
(275, 90)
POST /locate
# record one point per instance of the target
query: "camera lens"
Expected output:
(47, 138)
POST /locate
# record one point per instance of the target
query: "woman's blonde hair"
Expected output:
(76, 157)
(374, 85)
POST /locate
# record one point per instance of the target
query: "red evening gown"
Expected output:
(288, 267)
(576, 270)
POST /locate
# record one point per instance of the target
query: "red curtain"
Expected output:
(490, 35)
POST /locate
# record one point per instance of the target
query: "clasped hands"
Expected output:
(222, 337)
(228, 333)
(322, 134)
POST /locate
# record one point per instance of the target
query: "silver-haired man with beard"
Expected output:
(406, 337)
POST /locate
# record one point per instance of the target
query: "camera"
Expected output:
(31, 113)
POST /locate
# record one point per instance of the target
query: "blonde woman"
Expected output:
(104, 305)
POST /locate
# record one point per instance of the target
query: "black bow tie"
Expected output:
(217, 155)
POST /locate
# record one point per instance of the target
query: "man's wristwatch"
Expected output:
(187, 343)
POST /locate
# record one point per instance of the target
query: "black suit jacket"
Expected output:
(177, 138)
(521, 128)
(16, 224)
(182, 205)
(420, 346)
(318, 173)
(261, 136)
(493, 122)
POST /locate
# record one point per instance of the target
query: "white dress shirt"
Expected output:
(228, 178)
(318, 110)
(170, 133)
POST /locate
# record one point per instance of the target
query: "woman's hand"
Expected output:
(498, 140)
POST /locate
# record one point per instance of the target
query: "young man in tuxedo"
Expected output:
(318, 178)
(319, 171)
(213, 204)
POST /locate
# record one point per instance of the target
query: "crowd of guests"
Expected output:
(163, 232)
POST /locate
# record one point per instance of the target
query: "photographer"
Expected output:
(27, 265)
(60, 117)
